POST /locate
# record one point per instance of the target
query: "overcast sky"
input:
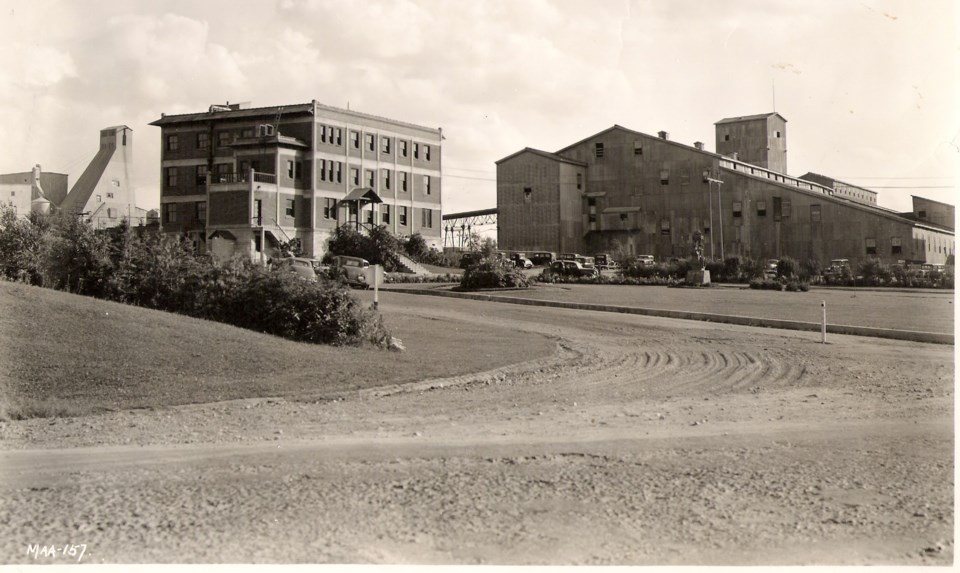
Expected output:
(869, 87)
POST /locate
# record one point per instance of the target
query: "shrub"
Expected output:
(378, 247)
(492, 273)
(797, 286)
(766, 284)
(787, 268)
(810, 270)
(22, 246)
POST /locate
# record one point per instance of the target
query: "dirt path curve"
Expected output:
(641, 441)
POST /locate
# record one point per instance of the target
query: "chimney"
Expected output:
(735, 156)
(698, 145)
(663, 135)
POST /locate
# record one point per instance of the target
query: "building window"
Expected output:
(369, 215)
(371, 178)
(202, 174)
(386, 179)
(426, 184)
(224, 138)
(426, 219)
(664, 177)
(403, 148)
(385, 214)
(339, 172)
(247, 133)
(170, 213)
(385, 144)
(921, 214)
(785, 208)
(200, 211)
(664, 227)
(203, 140)
(815, 213)
(290, 208)
(598, 150)
(527, 193)
(579, 180)
(99, 199)
(737, 209)
(896, 247)
(637, 147)
(416, 150)
(329, 208)
(171, 176)
(323, 169)
(778, 134)
(109, 195)
(426, 152)
(871, 245)
(294, 169)
(355, 139)
(355, 175)
(173, 142)
(403, 180)
(371, 142)
(761, 208)
(257, 212)
(331, 135)
(726, 137)
(403, 216)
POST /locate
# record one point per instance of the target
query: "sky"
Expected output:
(868, 87)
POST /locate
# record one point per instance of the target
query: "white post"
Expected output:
(823, 323)
(376, 287)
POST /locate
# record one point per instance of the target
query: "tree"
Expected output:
(22, 246)
(416, 247)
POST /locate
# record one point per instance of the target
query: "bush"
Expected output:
(787, 268)
(378, 247)
(766, 284)
(492, 273)
(144, 268)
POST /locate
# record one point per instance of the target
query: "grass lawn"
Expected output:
(66, 355)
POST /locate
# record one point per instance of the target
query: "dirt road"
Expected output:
(641, 441)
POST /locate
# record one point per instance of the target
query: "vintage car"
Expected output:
(358, 271)
(572, 268)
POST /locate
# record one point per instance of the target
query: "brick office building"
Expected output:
(243, 180)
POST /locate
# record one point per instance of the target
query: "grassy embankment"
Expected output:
(66, 355)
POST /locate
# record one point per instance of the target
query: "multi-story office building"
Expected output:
(240, 180)
(622, 190)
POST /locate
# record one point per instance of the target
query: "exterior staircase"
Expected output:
(411, 266)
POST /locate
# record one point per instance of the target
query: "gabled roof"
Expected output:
(544, 154)
(750, 117)
(641, 134)
(363, 194)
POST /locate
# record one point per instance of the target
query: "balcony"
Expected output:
(242, 181)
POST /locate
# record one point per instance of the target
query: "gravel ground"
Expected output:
(640, 441)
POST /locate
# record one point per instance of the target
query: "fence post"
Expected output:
(823, 324)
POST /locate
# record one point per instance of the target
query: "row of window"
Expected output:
(332, 171)
(426, 215)
(201, 139)
(598, 150)
(334, 136)
(173, 212)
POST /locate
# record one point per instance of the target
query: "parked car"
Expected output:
(303, 267)
(770, 268)
(836, 269)
(470, 258)
(567, 256)
(645, 260)
(521, 260)
(358, 271)
(572, 268)
(587, 262)
(542, 258)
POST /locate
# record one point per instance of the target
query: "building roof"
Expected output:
(931, 201)
(272, 111)
(364, 194)
(544, 154)
(750, 118)
(635, 132)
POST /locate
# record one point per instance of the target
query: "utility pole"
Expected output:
(711, 181)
